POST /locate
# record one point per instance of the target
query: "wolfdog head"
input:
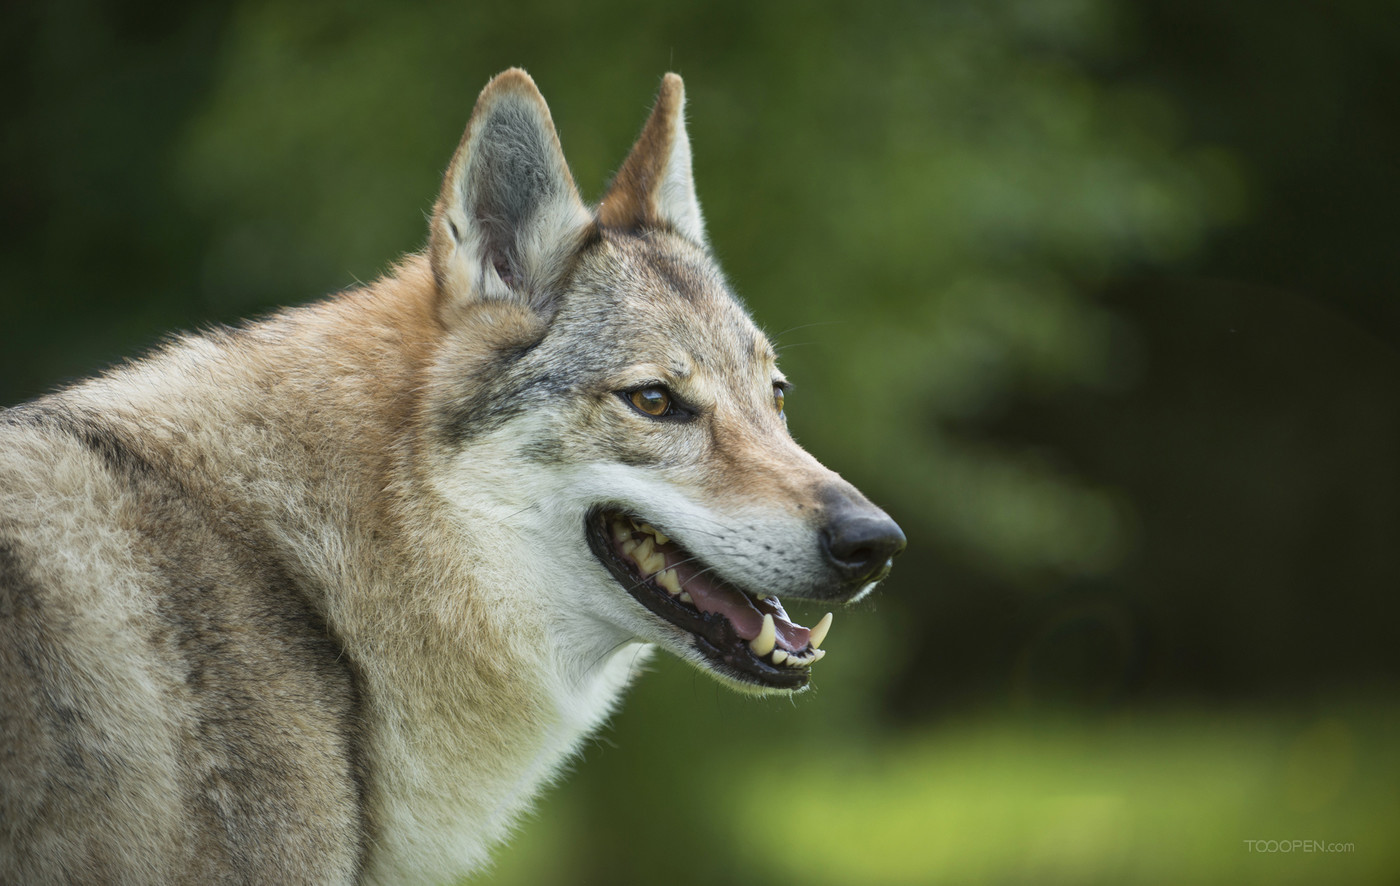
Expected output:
(613, 416)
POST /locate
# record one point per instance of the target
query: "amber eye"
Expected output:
(652, 401)
(778, 398)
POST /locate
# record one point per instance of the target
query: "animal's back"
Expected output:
(172, 708)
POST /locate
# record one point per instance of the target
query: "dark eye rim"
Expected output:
(676, 410)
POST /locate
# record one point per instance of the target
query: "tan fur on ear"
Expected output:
(655, 187)
(509, 215)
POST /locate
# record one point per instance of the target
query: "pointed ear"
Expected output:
(654, 187)
(509, 217)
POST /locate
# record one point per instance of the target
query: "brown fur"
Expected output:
(631, 201)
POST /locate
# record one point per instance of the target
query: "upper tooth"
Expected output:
(667, 579)
(652, 530)
(620, 531)
(644, 550)
(655, 563)
(819, 632)
(818, 655)
(767, 637)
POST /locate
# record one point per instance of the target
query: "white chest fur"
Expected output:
(446, 793)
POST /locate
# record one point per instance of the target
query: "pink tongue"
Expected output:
(745, 613)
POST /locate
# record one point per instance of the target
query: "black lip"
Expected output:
(714, 635)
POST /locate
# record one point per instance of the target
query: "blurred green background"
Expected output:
(1097, 297)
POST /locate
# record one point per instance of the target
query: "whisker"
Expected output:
(792, 344)
(808, 326)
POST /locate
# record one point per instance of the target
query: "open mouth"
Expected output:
(746, 636)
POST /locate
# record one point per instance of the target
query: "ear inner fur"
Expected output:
(509, 215)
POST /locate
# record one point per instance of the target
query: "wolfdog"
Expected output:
(329, 596)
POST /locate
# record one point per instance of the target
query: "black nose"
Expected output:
(859, 543)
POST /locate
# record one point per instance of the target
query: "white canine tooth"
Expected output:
(629, 546)
(767, 637)
(819, 632)
(779, 655)
(685, 597)
(818, 655)
(667, 579)
(620, 532)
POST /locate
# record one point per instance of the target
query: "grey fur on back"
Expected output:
(172, 707)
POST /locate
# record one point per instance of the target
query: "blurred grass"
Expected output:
(1051, 797)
